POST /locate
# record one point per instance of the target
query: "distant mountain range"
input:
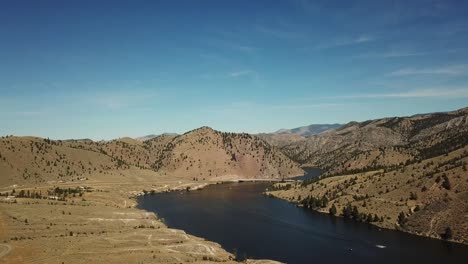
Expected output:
(284, 137)
(151, 136)
(309, 130)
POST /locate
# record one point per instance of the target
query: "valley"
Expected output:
(68, 200)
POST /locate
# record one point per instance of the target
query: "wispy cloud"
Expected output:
(233, 74)
(249, 106)
(121, 100)
(448, 70)
(389, 55)
(362, 39)
(418, 93)
(240, 73)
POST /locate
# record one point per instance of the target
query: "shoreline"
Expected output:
(271, 194)
(106, 220)
(136, 194)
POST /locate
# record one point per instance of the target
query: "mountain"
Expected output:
(285, 137)
(201, 153)
(309, 130)
(382, 142)
(406, 173)
(151, 136)
(207, 153)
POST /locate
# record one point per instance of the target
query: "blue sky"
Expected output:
(107, 69)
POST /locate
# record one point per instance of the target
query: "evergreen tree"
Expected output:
(376, 218)
(401, 219)
(355, 213)
(446, 183)
(347, 211)
(332, 210)
(447, 234)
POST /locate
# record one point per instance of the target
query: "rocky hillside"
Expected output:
(202, 153)
(281, 140)
(382, 143)
(210, 154)
(406, 173)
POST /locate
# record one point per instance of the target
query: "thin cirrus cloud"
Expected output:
(362, 39)
(240, 73)
(254, 107)
(122, 100)
(448, 70)
(419, 93)
(234, 74)
(389, 55)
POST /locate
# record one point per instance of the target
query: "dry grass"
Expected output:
(387, 194)
(102, 226)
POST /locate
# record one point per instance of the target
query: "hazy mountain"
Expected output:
(151, 136)
(285, 137)
(309, 130)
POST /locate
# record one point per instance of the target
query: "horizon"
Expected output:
(112, 69)
(183, 132)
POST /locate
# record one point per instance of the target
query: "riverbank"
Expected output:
(102, 225)
(386, 209)
(242, 220)
(194, 186)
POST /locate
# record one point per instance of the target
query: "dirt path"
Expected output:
(4, 250)
(431, 226)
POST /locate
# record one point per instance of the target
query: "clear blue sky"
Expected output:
(107, 69)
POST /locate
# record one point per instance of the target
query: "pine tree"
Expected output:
(347, 211)
(447, 234)
(332, 210)
(355, 213)
(446, 183)
(401, 219)
(376, 218)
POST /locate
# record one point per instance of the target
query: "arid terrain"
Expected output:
(73, 201)
(98, 223)
(407, 173)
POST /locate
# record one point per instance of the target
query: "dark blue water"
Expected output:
(241, 219)
(310, 173)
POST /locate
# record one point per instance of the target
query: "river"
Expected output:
(242, 220)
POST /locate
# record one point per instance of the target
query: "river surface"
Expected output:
(242, 220)
(310, 173)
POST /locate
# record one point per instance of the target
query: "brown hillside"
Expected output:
(202, 153)
(382, 143)
(205, 153)
(402, 173)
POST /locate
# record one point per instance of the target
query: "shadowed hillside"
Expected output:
(407, 173)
